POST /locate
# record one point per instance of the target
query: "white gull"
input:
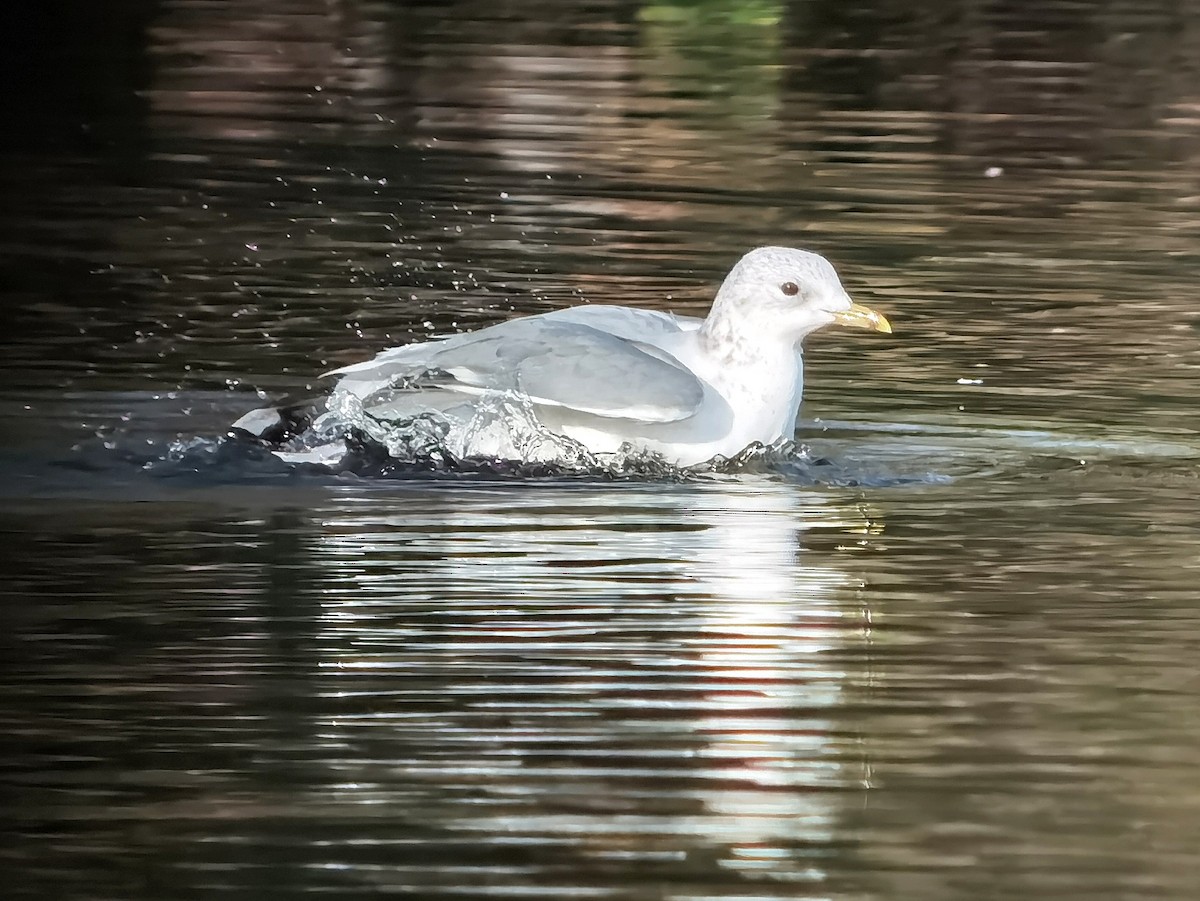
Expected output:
(603, 379)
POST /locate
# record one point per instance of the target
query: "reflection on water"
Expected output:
(727, 688)
(776, 752)
(720, 669)
(947, 654)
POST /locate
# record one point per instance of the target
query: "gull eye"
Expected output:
(791, 289)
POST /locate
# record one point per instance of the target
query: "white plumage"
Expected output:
(602, 378)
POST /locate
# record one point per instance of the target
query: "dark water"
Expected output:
(950, 654)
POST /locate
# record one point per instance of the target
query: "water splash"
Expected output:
(496, 425)
(499, 434)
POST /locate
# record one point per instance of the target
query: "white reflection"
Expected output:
(690, 637)
(774, 749)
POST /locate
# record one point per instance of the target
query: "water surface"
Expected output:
(950, 652)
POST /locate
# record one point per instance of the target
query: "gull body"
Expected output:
(609, 378)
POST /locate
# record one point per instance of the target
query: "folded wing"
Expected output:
(555, 361)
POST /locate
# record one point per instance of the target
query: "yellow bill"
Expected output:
(859, 316)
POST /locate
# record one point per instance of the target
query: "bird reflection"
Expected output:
(771, 728)
(653, 670)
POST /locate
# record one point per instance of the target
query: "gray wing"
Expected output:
(553, 360)
(643, 326)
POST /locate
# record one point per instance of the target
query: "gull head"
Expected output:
(787, 294)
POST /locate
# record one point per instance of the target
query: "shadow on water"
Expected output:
(126, 451)
(129, 446)
(140, 446)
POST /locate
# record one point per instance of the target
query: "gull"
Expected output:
(595, 380)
